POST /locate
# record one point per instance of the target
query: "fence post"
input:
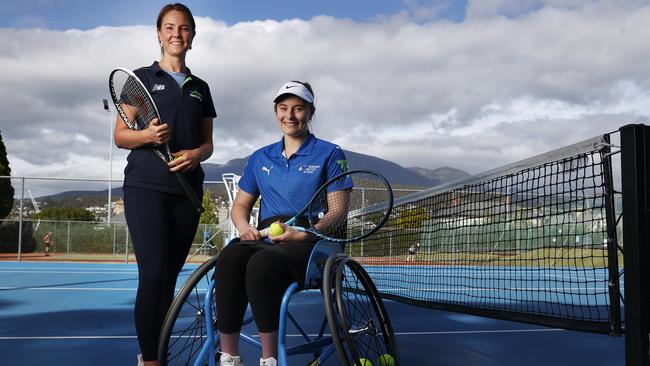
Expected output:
(126, 244)
(20, 220)
(68, 241)
(114, 241)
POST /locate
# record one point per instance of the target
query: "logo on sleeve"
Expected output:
(343, 164)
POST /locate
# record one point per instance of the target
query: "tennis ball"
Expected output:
(276, 229)
(386, 360)
(365, 362)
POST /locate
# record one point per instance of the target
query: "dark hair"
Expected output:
(180, 7)
(312, 106)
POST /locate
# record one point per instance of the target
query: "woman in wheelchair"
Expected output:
(285, 174)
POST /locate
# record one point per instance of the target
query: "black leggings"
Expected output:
(162, 227)
(259, 273)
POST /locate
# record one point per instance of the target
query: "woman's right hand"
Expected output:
(157, 133)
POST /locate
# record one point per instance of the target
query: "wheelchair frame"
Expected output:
(328, 270)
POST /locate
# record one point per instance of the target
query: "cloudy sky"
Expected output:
(470, 84)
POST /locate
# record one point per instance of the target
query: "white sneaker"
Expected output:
(271, 361)
(228, 360)
(140, 360)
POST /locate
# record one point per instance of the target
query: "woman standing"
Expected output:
(161, 220)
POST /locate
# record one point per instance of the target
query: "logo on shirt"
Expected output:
(267, 170)
(308, 169)
(197, 95)
(158, 87)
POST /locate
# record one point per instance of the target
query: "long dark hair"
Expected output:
(180, 7)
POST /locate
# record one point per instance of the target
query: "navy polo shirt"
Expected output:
(286, 185)
(182, 108)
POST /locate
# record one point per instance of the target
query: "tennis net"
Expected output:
(530, 241)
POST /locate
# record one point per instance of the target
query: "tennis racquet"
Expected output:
(136, 107)
(348, 207)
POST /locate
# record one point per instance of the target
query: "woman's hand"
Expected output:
(157, 133)
(249, 233)
(185, 160)
(290, 235)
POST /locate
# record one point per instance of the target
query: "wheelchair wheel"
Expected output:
(183, 332)
(357, 318)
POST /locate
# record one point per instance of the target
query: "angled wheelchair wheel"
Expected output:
(357, 318)
(184, 333)
(331, 312)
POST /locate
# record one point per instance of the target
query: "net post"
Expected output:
(635, 181)
(612, 241)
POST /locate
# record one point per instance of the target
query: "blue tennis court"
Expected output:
(75, 313)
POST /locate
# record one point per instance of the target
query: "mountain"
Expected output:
(395, 173)
(442, 175)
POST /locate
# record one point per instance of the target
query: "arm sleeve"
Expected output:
(248, 181)
(338, 164)
(208, 104)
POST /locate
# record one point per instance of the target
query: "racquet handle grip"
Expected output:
(264, 232)
(190, 193)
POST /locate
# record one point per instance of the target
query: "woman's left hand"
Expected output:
(184, 161)
(291, 235)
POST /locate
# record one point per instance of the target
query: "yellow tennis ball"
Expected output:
(365, 362)
(276, 229)
(386, 360)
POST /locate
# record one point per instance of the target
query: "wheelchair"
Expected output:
(359, 327)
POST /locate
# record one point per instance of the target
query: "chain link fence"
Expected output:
(102, 233)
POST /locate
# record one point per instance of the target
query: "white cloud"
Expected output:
(472, 95)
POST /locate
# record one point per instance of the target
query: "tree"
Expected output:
(412, 218)
(65, 213)
(6, 189)
(208, 216)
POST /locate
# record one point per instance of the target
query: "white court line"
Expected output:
(67, 268)
(81, 271)
(395, 291)
(31, 338)
(391, 291)
(71, 288)
(509, 289)
(502, 331)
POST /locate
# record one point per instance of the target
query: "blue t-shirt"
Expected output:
(286, 185)
(178, 76)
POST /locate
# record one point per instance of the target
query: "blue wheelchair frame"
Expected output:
(321, 344)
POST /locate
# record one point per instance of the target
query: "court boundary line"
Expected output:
(494, 331)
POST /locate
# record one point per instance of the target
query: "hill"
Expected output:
(442, 175)
(397, 175)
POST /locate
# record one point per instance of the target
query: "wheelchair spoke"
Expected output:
(366, 328)
(184, 330)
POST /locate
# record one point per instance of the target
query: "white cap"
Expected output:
(296, 89)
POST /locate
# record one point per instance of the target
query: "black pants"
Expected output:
(259, 273)
(162, 227)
